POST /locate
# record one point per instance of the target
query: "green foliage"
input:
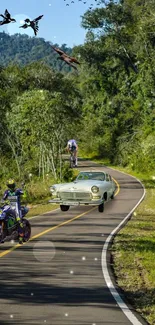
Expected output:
(22, 50)
(37, 190)
(117, 83)
(135, 272)
(41, 104)
(109, 107)
(67, 173)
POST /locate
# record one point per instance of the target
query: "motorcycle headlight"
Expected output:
(95, 189)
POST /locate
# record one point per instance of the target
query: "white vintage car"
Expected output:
(89, 188)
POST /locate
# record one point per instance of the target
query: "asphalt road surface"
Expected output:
(59, 277)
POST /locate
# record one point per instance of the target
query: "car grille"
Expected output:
(75, 196)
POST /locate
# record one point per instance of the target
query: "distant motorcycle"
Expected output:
(9, 225)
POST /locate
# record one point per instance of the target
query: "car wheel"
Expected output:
(101, 207)
(64, 207)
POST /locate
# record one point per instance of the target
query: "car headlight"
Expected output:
(95, 189)
(52, 189)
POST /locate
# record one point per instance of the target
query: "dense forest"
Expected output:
(21, 49)
(108, 106)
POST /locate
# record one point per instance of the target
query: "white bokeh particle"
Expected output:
(44, 251)
(95, 258)
(49, 4)
(66, 315)
(11, 316)
(71, 272)
(14, 28)
(32, 294)
(83, 258)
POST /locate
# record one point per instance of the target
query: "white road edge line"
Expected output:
(106, 275)
(125, 309)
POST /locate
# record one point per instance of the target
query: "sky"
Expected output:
(60, 24)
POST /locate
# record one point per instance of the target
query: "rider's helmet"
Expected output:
(11, 184)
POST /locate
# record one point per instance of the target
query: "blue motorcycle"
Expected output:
(9, 224)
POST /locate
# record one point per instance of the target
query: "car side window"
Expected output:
(80, 177)
(83, 176)
(110, 178)
(107, 178)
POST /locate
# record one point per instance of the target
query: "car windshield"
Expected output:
(92, 176)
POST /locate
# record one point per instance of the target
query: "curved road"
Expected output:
(58, 278)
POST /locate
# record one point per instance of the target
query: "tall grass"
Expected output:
(133, 253)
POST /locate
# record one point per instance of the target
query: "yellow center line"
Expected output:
(60, 225)
(55, 227)
(118, 187)
(45, 232)
(9, 250)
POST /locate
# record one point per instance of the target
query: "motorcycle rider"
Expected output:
(73, 147)
(13, 191)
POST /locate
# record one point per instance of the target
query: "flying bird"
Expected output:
(32, 23)
(66, 58)
(6, 18)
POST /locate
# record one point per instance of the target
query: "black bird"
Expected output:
(6, 18)
(32, 23)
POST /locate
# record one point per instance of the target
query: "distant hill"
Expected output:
(21, 50)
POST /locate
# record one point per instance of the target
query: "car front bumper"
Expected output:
(72, 202)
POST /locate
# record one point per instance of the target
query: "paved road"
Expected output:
(57, 277)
